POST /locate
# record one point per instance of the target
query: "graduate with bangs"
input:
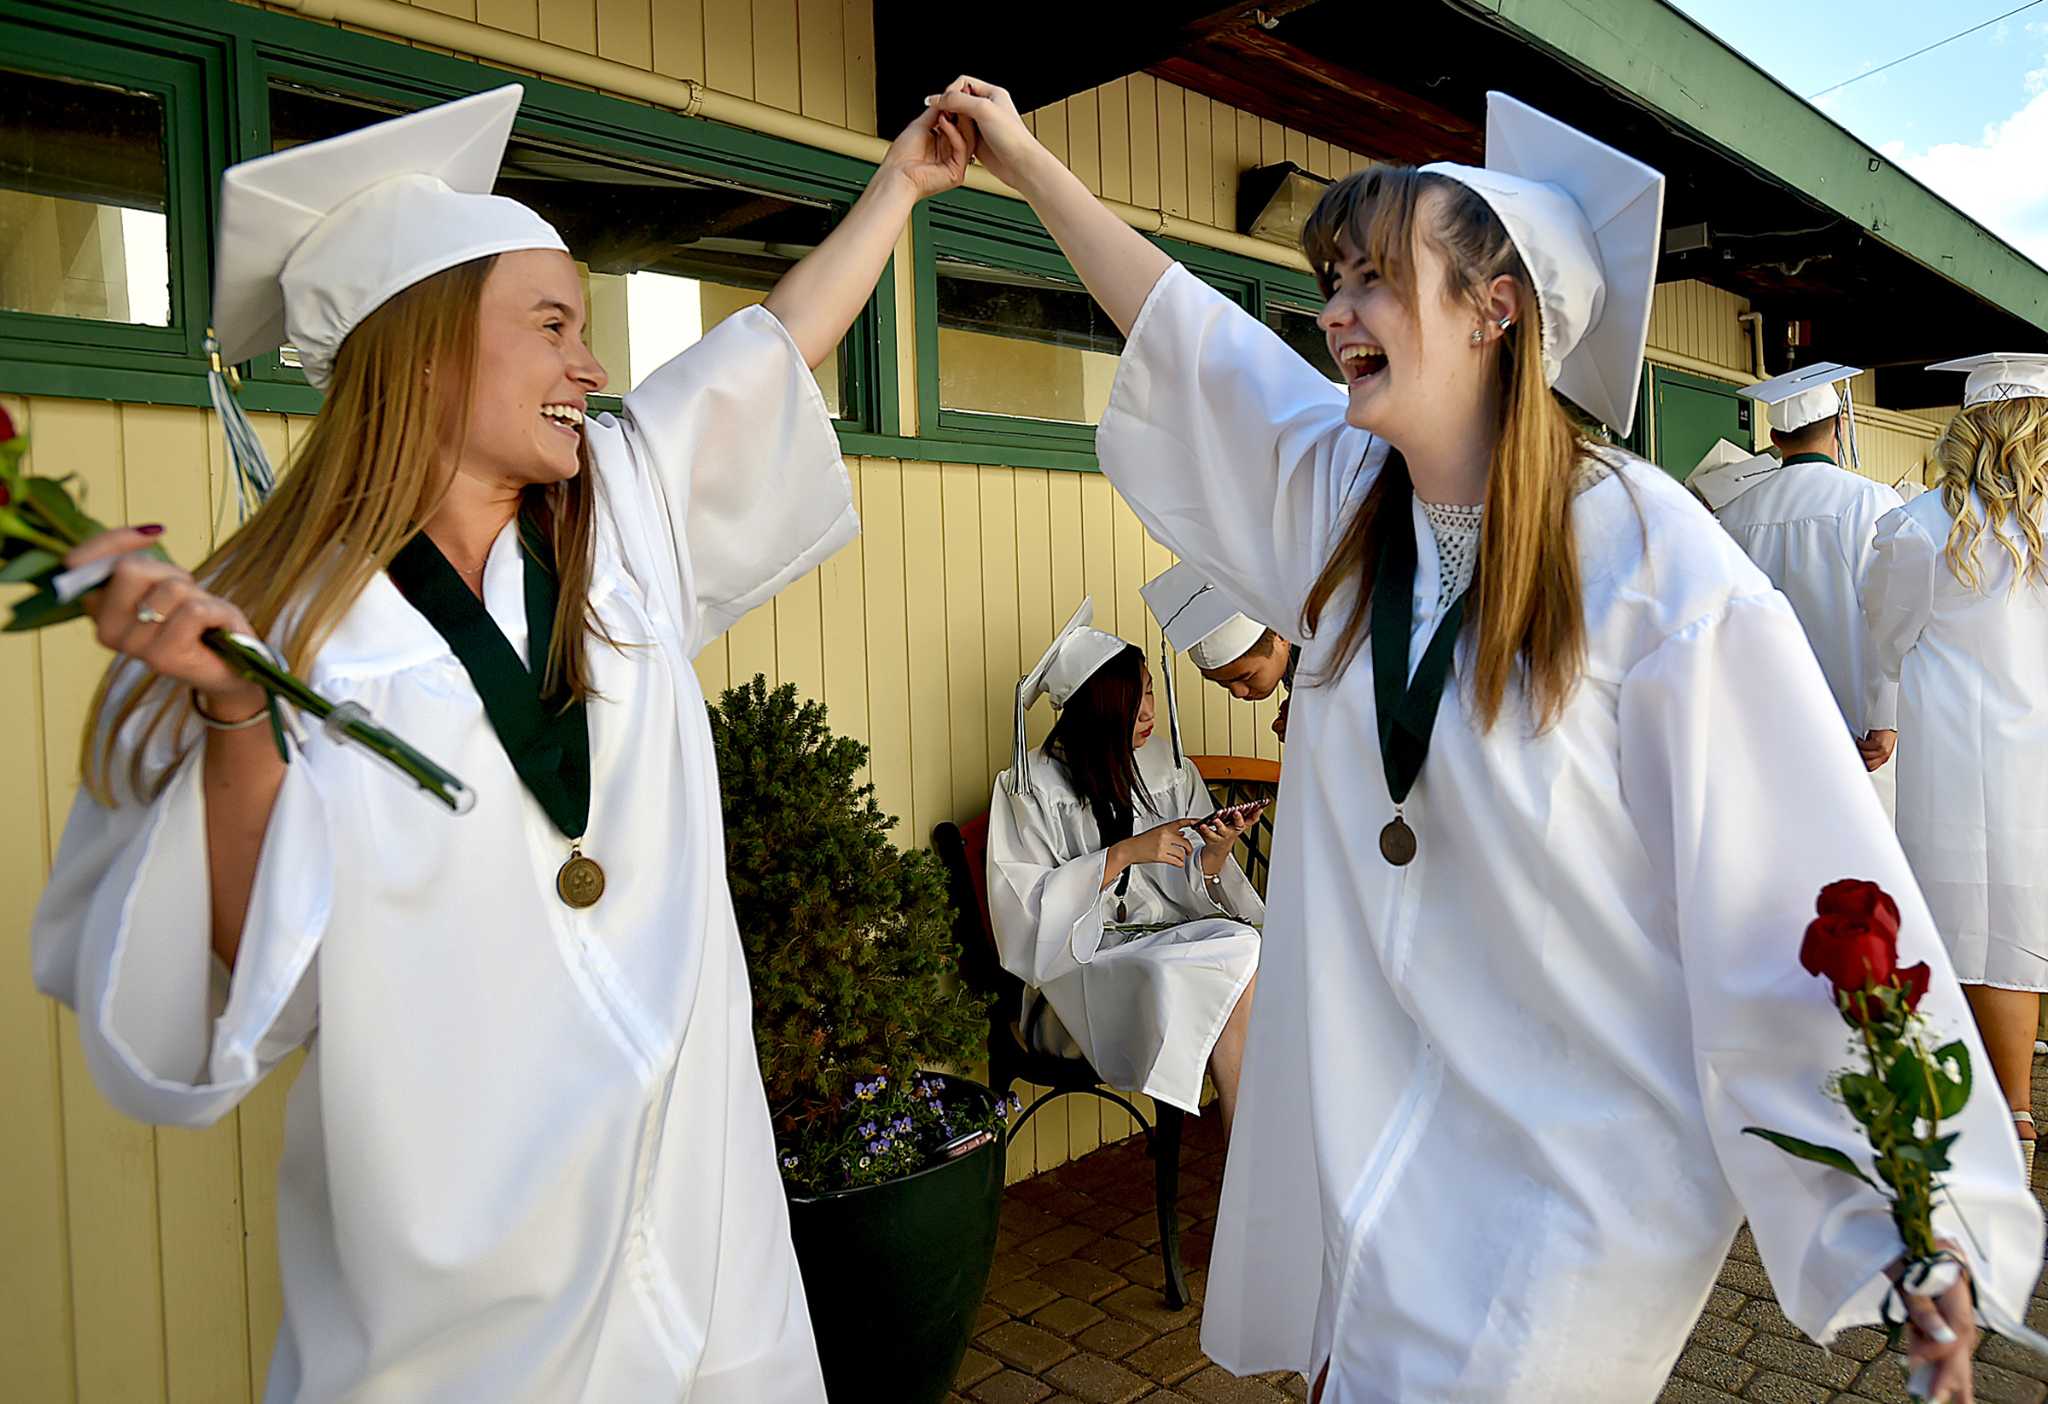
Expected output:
(1531, 957)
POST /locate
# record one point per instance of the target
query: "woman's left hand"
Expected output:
(1220, 833)
(930, 155)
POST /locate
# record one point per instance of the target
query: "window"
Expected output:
(83, 195)
(665, 256)
(102, 212)
(1297, 327)
(1022, 346)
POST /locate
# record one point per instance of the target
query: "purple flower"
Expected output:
(878, 1147)
(902, 1124)
(867, 1130)
(881, 1081)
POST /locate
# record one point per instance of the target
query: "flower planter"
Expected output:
(895, 1272)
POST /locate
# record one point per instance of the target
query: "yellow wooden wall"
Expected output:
(139, 1265)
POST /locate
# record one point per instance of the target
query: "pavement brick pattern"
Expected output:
(1074, 1311)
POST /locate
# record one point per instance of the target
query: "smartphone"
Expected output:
(1242, 813)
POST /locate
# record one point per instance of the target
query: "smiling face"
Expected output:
(534, 375)
(1416, 274)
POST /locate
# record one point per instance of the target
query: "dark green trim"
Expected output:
(928, 450)
(1679, 70)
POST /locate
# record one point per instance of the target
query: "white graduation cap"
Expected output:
(1075, 655)
(1198, 618)
(2001, 375)
(315, 238)
(1586, 220)
(1728, 471)
(1805, 396)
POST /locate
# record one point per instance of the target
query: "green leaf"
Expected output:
(28, 565)
(55, 506)
(1864, 1096)
(41, 610)
(1952, 1092)
(1807, 1150)
(1908, 1081)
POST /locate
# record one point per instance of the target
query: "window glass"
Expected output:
(1021, 345)
(1297, 327)
(82, 201)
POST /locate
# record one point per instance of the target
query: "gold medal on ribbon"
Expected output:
(580, 882)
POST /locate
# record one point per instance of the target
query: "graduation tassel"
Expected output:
(1849, 408)
(254, 477)
(1172, 707)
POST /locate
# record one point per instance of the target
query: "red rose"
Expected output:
(6, 425)
(1851, 951)
(1852, 897)
(1913, 983)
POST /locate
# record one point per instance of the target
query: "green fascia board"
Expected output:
(1662, 58)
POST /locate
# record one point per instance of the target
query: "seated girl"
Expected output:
(1138, 942)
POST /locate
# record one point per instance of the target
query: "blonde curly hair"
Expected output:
(1999, 449)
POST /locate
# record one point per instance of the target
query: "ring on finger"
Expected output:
(148, 614)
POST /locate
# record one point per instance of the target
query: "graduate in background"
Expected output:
(1514, 1017)
(528, 1157)
(1245, 658)
(1809, 525)
(1137, 942)
(1957, 602)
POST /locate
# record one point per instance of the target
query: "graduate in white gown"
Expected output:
(1138, 944)
(1809, 524)
(1958, 608)
(1512, 1020)
(528, 1157)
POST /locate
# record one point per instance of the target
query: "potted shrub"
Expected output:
(850, 949)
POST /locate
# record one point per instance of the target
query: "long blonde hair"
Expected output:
(369, 475)
(1528, 615)
(2001, 450)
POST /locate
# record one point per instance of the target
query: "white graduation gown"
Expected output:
(1488, 1144)
(1971, 667)
(1146, 1009)
(528, 1157)
(1810, 527)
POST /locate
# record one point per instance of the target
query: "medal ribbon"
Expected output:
(546, 739)
(1407, 710)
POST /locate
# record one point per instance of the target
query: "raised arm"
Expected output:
(1118, 264)
(818, 299)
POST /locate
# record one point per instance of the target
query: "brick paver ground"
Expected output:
(1074, 1311)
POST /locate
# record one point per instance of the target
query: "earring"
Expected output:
(1477, 336)
(1506, 322)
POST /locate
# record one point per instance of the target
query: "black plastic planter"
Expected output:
(895, 1272)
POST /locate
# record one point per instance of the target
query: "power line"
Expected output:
(1960, 34)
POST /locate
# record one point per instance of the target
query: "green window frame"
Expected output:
(241, 50)
(47, 354)
(1003, 234)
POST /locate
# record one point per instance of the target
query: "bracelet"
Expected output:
(262, 715)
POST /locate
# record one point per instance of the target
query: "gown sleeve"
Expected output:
(1731, 813)
(1231, 448)
(1046, 910)
(123, 936)
(733, 443)
(1898, 600)
(1859, 549)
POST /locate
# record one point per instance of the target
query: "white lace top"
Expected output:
(1457, 543)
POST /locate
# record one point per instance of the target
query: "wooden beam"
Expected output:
(1250, 68)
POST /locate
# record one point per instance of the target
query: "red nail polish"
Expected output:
(153, 529)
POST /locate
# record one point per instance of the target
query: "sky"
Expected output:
(1969, 119)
